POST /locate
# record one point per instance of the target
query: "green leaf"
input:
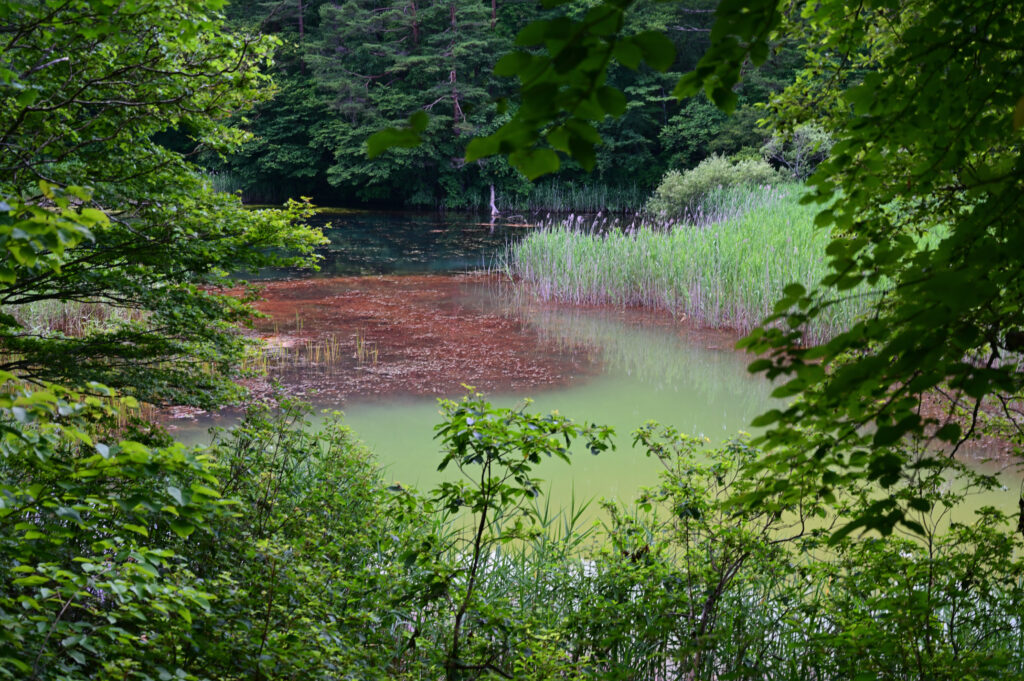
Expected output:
(659, 52)
(611, 100)
(181, 528)
(887, 435)
(535, 162)
(204, 490)
(27, 97)
(512, 64)
(383, 140)
(919, 504)
(767, 418)
(794, 291)
(34, 580)
(627, 53)
(138, 529)
(419, 121)
(175, 494)
(533, 33)
(481, 147)
(949, 432)
(758, 53)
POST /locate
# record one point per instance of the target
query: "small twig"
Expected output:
(40, 67)
(53, 626)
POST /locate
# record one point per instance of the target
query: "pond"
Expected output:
(401, 314)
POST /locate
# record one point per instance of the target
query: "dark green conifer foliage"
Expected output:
(365, 66)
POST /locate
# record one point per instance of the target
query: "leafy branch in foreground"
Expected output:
(923, 190)
(88, 524)
(94, 209)
(496, 449)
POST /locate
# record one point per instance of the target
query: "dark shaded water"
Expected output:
(375, 242)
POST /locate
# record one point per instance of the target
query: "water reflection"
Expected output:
(371, 242)
(650, 368)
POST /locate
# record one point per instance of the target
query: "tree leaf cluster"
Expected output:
(921, 192)
(96, 211)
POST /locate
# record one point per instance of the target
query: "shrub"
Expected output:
(799, 152)
(302, 576)
(93, 583)
(680, 193)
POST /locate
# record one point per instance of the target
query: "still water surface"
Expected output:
(645, 372)
(598, 365)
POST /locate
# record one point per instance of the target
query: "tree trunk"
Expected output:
(302, 34)
(452, 78)
(415, 23)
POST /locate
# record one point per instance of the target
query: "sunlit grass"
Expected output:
(726, 266)
(310, 353)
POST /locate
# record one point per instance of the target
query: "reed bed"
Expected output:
(724, 265)
(331, 351)
(68, 317)
(563, 197)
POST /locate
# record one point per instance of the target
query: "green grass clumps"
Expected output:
(726, 268)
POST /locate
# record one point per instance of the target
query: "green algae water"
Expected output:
(647, 373)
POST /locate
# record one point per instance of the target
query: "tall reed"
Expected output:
(725, 265)
(262, 358)
(563, 197)
(68, 317)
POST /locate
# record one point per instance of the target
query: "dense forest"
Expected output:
(347, 70)
(866, 241)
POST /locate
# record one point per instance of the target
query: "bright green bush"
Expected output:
(303, 575)
(680, 193)
(272, 554)
(94, 574)
(801, 151)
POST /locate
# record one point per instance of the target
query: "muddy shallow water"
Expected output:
(381, 337)
(384, 348)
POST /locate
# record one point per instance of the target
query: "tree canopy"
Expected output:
(348, 69)
(96, 212)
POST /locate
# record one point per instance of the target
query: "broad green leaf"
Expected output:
(627, 53)
(381, 141)
(182, 528)
(535, 162)
(658, 50)
(611, 100)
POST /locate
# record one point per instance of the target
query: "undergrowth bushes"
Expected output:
(278, 553)
(680, 193)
